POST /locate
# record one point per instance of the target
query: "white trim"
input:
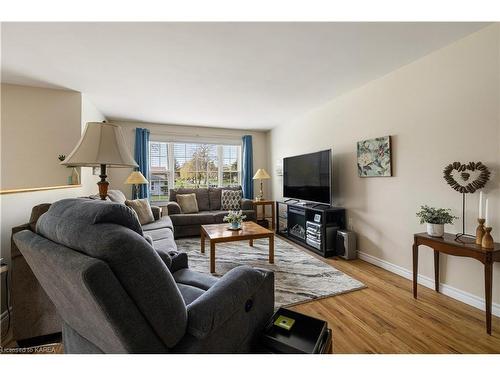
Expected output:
(195, 138)
(450, 291)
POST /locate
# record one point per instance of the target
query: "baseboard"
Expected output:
(450, 291)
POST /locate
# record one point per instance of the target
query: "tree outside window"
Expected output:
(192, 165)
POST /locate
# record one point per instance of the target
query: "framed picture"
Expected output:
(375, 157)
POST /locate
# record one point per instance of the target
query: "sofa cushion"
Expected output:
(188, 203)
(193, 278)
(231, 199)
(163, 222)
(214, 195)
(116, 196)
(189, 293)
(219, 216)
(142, 209)
(203, 217)
(84, 212)
(201, 196)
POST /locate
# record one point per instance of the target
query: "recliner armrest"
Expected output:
(179, 260)
(232, 294)
(173, 208)
(247, 204)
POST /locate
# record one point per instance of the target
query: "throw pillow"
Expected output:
(142, 209)
(188, 203)
(231, 200)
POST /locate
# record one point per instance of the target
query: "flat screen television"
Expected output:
(308, 177)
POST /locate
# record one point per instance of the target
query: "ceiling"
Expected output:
(234, 75)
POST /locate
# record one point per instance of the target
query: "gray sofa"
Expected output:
(209, 205)
(118, 294)
(33, 313)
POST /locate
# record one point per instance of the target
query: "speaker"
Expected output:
(346, 244)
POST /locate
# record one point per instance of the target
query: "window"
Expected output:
(158, 171)
(191, 165)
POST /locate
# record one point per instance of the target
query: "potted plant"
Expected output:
(234, 218)
(435, 218)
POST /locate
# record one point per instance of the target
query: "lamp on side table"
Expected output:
(136, 178)
(261, 175)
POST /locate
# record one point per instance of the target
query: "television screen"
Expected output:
(308, 177)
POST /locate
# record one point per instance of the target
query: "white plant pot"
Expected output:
(435, 230)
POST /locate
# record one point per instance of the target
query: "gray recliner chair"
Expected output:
(115, 294)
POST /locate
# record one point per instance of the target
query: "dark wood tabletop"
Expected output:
(465, 242)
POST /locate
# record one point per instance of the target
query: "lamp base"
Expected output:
(103, 184)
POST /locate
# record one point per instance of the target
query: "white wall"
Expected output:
(439, 109)
(37, 125)
(15, 209)
(189, 133)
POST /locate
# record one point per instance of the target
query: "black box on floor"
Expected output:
(307, 336)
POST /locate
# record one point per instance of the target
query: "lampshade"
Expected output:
(102, 143)
(261, 174)
(136, 178)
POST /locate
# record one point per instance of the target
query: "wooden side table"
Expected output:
(448, 245)
(263, 204)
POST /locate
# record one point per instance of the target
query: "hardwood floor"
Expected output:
(385, 318)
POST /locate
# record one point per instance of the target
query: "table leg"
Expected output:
(273, 216)
(202, 239)
(271, 249)
(250, 242)
(212, 257)
(488, 278)
(415, 269)
(436, 270)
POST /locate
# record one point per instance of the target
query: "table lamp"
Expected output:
(102, 145)
(261, 175)
(136, 178)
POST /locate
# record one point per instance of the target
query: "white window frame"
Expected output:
(220, 157)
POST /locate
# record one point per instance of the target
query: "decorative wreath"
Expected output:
(466, 178)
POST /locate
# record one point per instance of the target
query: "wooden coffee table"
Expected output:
(250, 231)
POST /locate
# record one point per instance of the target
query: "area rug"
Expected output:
(299, 277)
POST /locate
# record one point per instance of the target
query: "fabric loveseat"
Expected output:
(210, 212)
(116, 294)
(33, 313)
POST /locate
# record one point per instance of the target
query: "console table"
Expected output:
(448, 245)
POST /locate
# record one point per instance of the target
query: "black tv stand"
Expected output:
(313, 226)
(292, 199)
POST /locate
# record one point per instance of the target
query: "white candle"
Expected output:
(480, 204)
(487, 220)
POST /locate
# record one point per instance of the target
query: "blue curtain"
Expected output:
(142, 158)
(247, 170)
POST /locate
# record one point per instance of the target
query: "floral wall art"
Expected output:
(375, 157)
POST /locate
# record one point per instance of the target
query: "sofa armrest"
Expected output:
(173, 208)
(14, 251)
(247, 204)
(156, 212)
(233, 294)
